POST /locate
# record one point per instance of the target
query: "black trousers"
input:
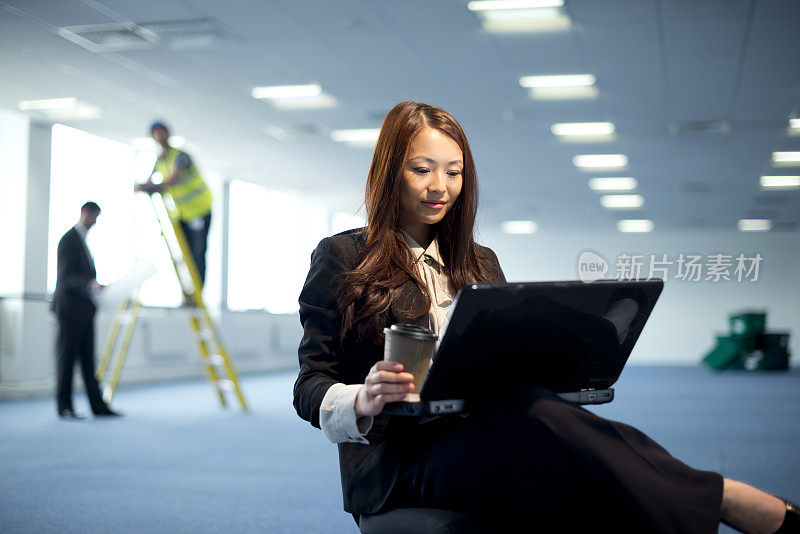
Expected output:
(76, 342)
(198, 239)
(531, 459)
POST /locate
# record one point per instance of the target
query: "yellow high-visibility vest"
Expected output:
(190, 193)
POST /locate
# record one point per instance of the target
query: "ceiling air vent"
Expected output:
(699, 127)
(110, 37)
(190, 34)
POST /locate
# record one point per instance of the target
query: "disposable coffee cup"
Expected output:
(412, 346)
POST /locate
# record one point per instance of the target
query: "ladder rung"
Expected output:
(216, 359)
(225, 384)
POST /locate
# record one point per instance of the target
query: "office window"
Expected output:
(86, 167)
(271, 236)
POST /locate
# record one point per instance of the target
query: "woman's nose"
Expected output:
(437, 183)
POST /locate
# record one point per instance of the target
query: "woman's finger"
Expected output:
(383, 365)
(384, 388)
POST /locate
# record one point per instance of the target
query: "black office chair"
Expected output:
(423, 521)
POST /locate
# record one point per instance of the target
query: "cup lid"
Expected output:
(417, 332)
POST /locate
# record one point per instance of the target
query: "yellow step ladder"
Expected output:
(123, 323)
(213, 354)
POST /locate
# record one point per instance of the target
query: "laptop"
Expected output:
(568, 336)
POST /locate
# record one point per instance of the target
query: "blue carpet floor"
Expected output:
(178, 463)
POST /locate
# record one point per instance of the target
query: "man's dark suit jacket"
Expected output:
(368, 471)
(75, 270)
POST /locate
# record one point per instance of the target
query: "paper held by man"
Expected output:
(123, 288)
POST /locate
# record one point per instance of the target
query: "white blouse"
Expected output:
(337, 415)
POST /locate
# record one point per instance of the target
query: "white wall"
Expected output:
(162, 347)
(13, 189)
(682, 327)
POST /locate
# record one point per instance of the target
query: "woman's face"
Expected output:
(431, 179)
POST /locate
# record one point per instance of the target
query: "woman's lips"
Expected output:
(434, 205)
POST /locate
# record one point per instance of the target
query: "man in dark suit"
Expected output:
(74, 306)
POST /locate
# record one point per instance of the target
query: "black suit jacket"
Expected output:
(75, 270)
(368, 471)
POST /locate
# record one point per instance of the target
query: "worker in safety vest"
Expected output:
(180, 179)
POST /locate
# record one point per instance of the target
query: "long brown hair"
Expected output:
(386, 262)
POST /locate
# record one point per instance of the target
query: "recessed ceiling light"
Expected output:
(786, 159)
(780, 182)
(600, 161)
(560, 87)
(584, 132)
(621, 183)
(48, 103)
(294, 96)
(635, 225)
(622, 201)
(286, 91)
(491, 5)
(583, 128)
(754, 225)
(519, 227)
(524, 20)
(559, 80)
(365, 137)
(794, 127)
(61, 109)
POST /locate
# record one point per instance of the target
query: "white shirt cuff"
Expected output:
(337, 415)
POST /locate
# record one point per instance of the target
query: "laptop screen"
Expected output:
(566, 336)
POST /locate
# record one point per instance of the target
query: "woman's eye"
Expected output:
(421, 170)
(454, 173)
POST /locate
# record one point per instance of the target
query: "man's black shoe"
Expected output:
(69, 413)
(108, 412)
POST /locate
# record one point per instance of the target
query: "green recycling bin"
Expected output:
(747, 326)
(726, 354)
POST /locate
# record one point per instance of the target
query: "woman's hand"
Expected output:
(385, 383)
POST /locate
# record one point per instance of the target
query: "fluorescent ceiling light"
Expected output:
(61, 109)
(794, 127)
(307, 96)
(780, 182)
(621, 183)
(560, 80)
(754, 225)
(622, 201)
(524, 20)
(583, 128)
(560, 87)
(519, 227)
(786, 159)
(635, 225)
(358, 137)
(48, 103)
(563, 93)
(492, 5)
(286, 91)
(584, 132)
(600, 161)
(321, 101)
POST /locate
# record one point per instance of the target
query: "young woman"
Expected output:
(528, 457)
